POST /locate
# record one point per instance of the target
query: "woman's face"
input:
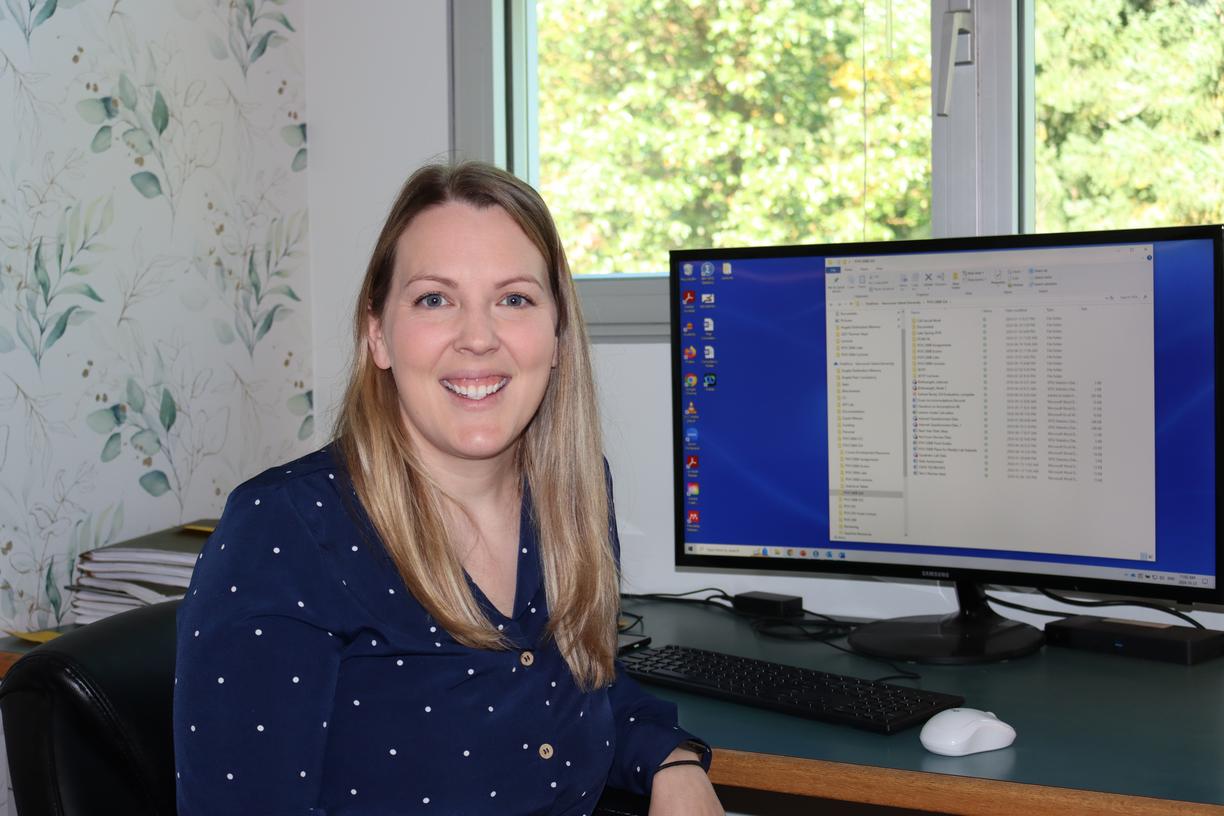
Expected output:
(468, 331)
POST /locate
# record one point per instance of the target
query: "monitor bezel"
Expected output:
(1178, 594)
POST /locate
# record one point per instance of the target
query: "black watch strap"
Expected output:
(698, 748)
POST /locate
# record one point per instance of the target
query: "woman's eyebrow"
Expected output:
(425, 276)
(518, 279)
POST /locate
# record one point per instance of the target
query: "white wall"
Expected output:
(377, 88)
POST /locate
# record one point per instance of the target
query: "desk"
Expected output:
(1095, 733)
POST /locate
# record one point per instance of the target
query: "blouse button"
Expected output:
(526, 658)
(546, 751)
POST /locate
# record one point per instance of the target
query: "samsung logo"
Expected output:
(935, 574)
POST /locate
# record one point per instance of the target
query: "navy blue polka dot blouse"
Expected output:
(309, 680)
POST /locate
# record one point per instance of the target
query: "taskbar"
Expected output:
(1128, 574)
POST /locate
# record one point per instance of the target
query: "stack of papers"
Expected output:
(144, 571)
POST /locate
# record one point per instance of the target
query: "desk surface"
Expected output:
(1099, 729)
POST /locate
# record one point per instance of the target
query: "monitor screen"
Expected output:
(1033, 410)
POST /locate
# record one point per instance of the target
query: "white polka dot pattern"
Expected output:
(291, 631)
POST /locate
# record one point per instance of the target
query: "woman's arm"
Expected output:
(683, 789)
(647, 732)
(257, 659)
(648, 735)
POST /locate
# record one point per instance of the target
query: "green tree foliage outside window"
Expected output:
(1130, 113)
(687, 123)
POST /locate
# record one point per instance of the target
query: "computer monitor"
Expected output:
(1034, 410)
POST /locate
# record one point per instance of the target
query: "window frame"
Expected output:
(989, 126)
(976, 176)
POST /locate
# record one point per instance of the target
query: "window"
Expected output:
(667, 124)
(656, 124)
(1128, 127)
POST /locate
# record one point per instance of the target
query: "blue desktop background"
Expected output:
(761, 422)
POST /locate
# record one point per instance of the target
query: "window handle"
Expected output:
(957, 20)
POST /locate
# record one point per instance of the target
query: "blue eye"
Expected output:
(433, 300)
(516, 300)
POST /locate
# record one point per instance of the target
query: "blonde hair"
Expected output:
(560, 453)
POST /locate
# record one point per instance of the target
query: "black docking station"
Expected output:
(1153, 641)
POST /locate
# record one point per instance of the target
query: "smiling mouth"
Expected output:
(476, 389)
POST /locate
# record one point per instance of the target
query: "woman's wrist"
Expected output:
(684, 752)
(693, 763)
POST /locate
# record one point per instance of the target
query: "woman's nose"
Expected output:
(477, 332)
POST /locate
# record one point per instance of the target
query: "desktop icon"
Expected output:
(691, 461)
(688, 327)
(690, 352)
(690, 380)
(726, 268)
(708, 352)
(694, 517)
(709, 380)
(692, 490)
(688, 297)
(707, 270)
(707, 298)
(707, 325)
(691, 410)
(691, 436)
(688, 270)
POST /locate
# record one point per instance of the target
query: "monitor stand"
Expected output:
(972, 634)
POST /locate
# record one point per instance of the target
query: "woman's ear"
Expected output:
(376, 341)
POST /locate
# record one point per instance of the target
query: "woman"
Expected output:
(420, 617)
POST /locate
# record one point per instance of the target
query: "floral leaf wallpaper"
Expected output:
(154, 288)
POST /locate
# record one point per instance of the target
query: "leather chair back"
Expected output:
(87, 719)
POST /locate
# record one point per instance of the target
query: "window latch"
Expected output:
(955, 48)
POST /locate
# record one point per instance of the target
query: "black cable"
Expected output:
(806, 629)
(1011, 605)
(837, 629)
(720, 593)
(828, 629)
(681, 597)
(1076, 602)
(633, 624)
(1144, 604)
(825, 617)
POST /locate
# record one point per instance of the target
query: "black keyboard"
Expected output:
(834, 698)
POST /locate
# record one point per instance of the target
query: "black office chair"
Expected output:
(87, 722)
(87, 719)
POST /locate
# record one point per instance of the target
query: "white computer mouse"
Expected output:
(961, 731)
